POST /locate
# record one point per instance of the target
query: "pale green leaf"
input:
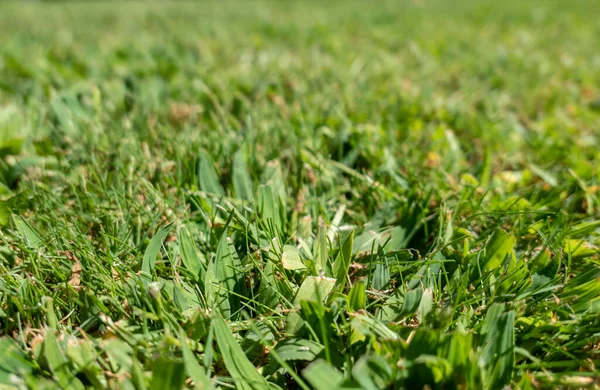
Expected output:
(291, 258)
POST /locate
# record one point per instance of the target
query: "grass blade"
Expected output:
(322, 376)
(342, 262)
(242, 183)
(189, 257)
(498, 354)
(208, 180)
(312, 289)
(223, 279)
(167, 374)
(153, 249)
(240, 368)
(27, 231)
(291, 258)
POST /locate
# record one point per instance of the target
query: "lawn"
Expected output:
(300, 195)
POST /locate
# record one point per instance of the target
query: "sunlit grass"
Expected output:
(299, 195)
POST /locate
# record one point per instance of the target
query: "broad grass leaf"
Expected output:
(579, 249)
(242, 183)
(425, 306)
(167, 374)
(119, 355)
(391, 307)
(494, 254)
(424, 342)
(208, 180)
(243, 372)
(175, 294)
(366, 241)
(298, 349)
(372, 372)
(138, 379)
(423, 351)
(255, 340)
(224, 277)
(83, 357)
(412, 300)
(515, 279)
(390, 239)
(342, 262)
(544, 264)
(273, 177)
(439, 368)
(544, 174)
(194, 370)
(458, 349)
(291, 258)
(427, 275)
(271, 208)
(11, 146)
(13, 361)
(51, 318)
(357, 296)
(323, 376)
(366, 325)
(335, 223)
(497, 248)
(268, 291)
(312, 289)
(318, 317)
(381, 275)
(321, 251)
(189, 256)
(583, 290)
(401, 305)
(583, 228)
(498, 346)
(32, 238)
(63, 115)
(153, 249)
(57, 362)
(454, 157)
(4, 207)
(306, 254)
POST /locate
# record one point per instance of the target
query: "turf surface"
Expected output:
(299, 195)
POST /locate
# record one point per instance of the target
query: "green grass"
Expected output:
(299, 195)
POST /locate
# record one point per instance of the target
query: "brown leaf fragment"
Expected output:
(76, 269)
